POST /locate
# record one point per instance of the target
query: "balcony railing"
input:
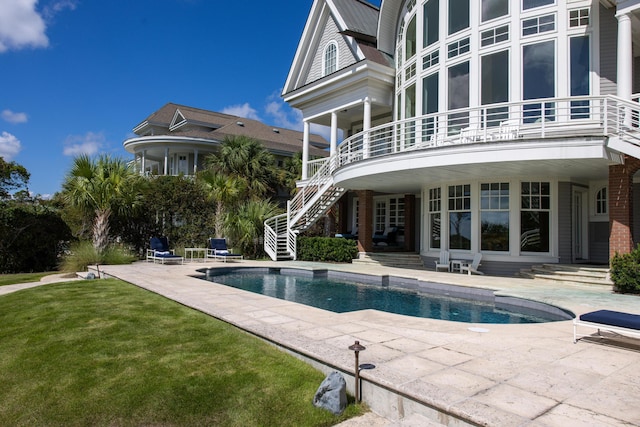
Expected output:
(518, 121)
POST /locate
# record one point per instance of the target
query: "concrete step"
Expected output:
(391, 259)
(567, 274)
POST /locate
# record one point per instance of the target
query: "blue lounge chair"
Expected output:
(159, 251)
(608, 320)
(218, 250)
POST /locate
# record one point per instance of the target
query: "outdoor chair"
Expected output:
(443, 263)
(473, 267)
(218, 250)
(159, 251)
(388, 236)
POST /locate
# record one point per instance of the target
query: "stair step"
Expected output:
(576, 274)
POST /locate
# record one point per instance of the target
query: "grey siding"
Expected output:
(564, 223)
(608, 51)
(345, 55)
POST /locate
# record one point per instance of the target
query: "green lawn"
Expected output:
(103, 352)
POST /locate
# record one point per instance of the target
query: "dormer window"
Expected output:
(330, 58)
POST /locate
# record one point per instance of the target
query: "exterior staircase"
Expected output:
(310, 203)
(569, 274)
(391, 259)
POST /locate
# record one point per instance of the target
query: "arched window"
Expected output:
(601, 201)
(330, 58)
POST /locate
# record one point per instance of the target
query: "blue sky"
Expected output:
(78, 75)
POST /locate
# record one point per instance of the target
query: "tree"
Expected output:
(101, 186)
(246, 225)
(246, 159)
(224, 191)
(12, 177)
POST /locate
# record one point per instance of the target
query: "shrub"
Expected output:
(83, 254)
(625, 272)
(326, 249)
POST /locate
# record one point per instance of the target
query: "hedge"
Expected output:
(625, 272)
(329, 249)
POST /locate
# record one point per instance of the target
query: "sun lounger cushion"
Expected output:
(613, 318)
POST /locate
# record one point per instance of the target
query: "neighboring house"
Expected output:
(503, 127)
(176, 139)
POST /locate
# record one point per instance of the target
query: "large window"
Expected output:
(539, 80)
(330, 58)
(535, 207)
(579, 76)
(492, 9)
(396, 212)
(429, 104)
(458, 15)
(435, 206)
(458, 96)
(495, 85)
(431, 22)
(460, 217)
(381, 216)
(494, 216)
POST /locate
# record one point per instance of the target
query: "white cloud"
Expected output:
(21, 25)
(89, 143)
(9, 146)
(11, 117)
(242, 110)
(291, 119)
(56, 7)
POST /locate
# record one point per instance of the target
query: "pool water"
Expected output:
(342, 296)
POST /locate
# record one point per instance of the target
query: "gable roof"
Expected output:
(181, 120)
(357, 22)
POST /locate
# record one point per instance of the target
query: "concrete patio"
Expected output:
(435, 372)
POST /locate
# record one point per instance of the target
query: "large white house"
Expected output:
(502, 127)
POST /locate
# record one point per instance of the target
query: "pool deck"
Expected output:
(435, 371)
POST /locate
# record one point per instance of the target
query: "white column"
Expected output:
(334, 133)
(166, 161)
(366, 125)
(195, 161)
(305, 149)
(143, 164)
(625, 62)
(625, 57)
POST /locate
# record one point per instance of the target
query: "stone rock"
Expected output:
(90, 276)
(332, 394)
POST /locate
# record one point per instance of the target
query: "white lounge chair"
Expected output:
(443, 263)
(473, 267)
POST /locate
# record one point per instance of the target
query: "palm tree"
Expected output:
(101, 186)
(246, 224)
(225, 191)
(246, 159)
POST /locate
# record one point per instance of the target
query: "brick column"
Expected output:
(409, 222)
(344, 224)
(365, 220)
(621, 206)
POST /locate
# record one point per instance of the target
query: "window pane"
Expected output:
(494, 229)
(495, 78)
(410, 102)
(530, 4)
(431, 22)
(410, 39)
(458, 86)
(458, 15)
(435, 231)
(539, 70)
(534, 231)
(460, 230)
(430, 94)
(494, 8)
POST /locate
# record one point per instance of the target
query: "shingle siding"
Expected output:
(564, 223)
(345, 55)
(608, 51)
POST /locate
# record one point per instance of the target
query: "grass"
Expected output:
(13, 279)
(106, 353)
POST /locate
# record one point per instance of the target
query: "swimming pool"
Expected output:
(343, 292)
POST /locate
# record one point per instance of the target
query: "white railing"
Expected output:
(274, 227)
(312, 190)
(313, 166)
(531, 119)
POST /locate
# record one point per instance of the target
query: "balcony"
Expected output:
(549, 119)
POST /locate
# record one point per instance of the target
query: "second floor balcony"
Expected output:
(606, 120)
